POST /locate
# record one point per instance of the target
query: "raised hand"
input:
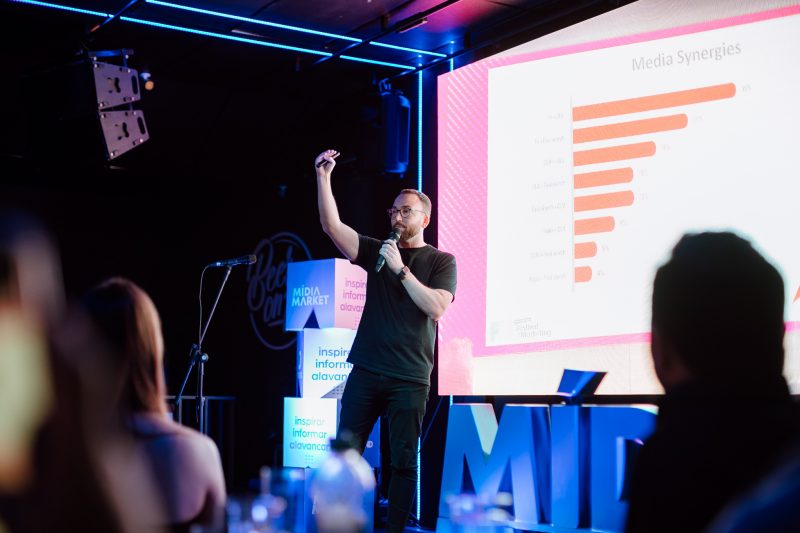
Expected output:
(324, 162)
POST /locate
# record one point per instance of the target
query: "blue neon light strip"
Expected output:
(288, 27)
(419, 188)
(419, 478)
(64, 8)
(406, 49)
(223, 36)
(376, 62)
(253, 21)
(213, 34)
(263, 43)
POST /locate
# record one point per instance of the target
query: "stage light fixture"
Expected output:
(147, 80)
(396, 126)
(414, 24)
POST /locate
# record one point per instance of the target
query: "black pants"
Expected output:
(366, 397)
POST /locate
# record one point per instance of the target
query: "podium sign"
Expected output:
(322, 360)
(308, 426)
(328, 293)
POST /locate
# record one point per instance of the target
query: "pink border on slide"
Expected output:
(463, 170)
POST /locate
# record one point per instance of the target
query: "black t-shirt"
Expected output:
(394, 337)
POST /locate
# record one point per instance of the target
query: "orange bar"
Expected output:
(603, 177)
(588, 226)
(583, 274)
(655, 101)
(585, 249)
(614, 153)
(627, 129)
(604, 201)
(797, 296)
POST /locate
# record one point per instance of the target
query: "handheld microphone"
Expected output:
(395, 236)
(243, 260)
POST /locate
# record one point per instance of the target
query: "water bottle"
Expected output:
(343, 490)
(267, 509)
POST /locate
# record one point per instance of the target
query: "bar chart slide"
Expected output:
(597, 164)
(622, 153)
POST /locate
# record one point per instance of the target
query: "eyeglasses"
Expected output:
(405, 212)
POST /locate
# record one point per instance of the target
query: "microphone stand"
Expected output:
(197, 357)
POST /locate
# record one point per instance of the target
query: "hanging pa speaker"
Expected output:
(396, 122)
(82, 111)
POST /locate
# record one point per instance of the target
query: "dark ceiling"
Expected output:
(449, 27)
(216, 100)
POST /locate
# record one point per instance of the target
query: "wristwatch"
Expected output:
(403, 273)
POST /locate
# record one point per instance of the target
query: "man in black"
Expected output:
(726, 416)
(392, 353)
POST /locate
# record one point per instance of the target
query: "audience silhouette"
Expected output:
(727, 415)
(63, 465)
(185, 464)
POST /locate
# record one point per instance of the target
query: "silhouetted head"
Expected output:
(126, 316)
(717, 312)
(31, 304)
(30, 270)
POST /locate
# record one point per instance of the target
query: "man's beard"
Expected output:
(409, 232)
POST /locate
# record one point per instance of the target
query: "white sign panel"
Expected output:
(322, 354)
(308, 426)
